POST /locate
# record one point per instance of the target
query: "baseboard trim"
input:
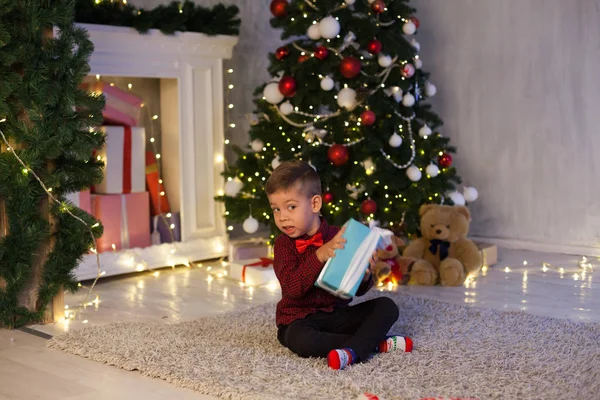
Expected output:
(588, 251)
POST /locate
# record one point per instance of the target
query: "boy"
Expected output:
(312, 322)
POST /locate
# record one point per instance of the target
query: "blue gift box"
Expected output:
(343, 273)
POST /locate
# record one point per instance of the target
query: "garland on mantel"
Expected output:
(175, 17)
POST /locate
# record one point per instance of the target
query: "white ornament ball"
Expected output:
(395, 140)
(409, 28)
(470, 194)
(314, 32)
(327, 83)
(250, 225)
(233, 187)
(430, 89)
(272, 93)
(349, 2)
(418, 63)
(408, 70)
(425, 131)
(286, 108)
(329, 27)
(384, 60)
(415, 44)
(457, 198)
(397, 93)
(257, 145)
(347, 98)
(432, 170)
(275, 163)
(408, 100)
(413, 173)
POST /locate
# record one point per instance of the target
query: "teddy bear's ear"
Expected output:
(464, 211)
(426, 207)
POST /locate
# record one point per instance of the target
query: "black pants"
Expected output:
(361, 327)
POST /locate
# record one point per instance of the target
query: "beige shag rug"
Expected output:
(459, 351)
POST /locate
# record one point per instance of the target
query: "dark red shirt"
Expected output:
(297, 274)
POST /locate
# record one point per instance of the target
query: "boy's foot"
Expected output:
(341, 358)
(402, 343)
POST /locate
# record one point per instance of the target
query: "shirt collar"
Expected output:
(321, 229)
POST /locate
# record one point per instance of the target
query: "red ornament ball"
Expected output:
(287, 86)
(367, 118)
(327, 197)
(321, 52)
(374, 46)
(338, 154)
(378, 6)
(415, 21)
(445, 160)
(350, 67)
(282, 53)
(279, 8)
(368, 207)
(303, 58)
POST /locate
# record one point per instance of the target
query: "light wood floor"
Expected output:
(28, 370)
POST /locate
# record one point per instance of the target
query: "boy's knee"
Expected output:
(389, 306)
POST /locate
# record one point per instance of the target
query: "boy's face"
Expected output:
(295, 213)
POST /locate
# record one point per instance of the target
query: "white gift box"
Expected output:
(253, 272)
(124, 156)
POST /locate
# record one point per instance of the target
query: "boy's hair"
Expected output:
(288, 173)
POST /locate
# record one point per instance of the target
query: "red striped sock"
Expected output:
(341, 358)
(403, 343)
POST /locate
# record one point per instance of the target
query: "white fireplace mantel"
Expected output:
(192, 136)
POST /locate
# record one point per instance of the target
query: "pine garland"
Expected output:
(175, 17)
(46, 118)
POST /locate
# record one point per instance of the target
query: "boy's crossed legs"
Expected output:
(346, 335)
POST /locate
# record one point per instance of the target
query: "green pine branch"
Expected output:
(173, 17)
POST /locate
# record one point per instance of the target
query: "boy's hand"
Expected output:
(328, 249)
(372, 263)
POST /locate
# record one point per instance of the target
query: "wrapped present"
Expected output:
(166, 228)
(343, 273)
(82, 200)
(252, 272)
(122, 108)
(247, 249)
(124, 161)
(489, 253)
(125, 220)
(155, 187)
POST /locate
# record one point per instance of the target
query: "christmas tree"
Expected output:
(47, 151)
(348, 95)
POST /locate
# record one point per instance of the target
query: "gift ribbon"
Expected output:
(127, 160)
(264, 262)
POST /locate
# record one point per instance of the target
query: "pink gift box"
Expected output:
(124, 157)
(247, 249)
(122, 108)
(82, 200)
(125, 220)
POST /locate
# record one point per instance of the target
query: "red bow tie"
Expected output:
(302, 245)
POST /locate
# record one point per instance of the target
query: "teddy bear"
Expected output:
(391, 265)
(444, 254)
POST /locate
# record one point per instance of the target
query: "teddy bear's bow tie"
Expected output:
(316, 240)
(443, 246)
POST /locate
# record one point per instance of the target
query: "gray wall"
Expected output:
(517, 89)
